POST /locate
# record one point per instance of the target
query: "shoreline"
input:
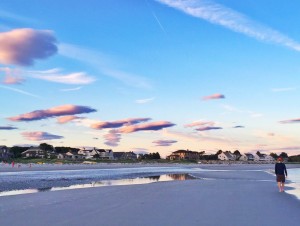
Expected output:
(79, 166)
(235, 196)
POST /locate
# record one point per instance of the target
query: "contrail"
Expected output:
(19, 91)
(155, 17)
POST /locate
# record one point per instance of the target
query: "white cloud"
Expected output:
(103, 64)
(144, 101)
(221, 15)
(71, 89)
(55, 76)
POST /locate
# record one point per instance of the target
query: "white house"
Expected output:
(263, 158)
(105, 154)
(87, 154)
(34, 152)
(266, 158)
(74, 156)
(256, 157)
(226, 156)
(243, 157)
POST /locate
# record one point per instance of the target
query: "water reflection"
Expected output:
(181, 177)
(117, 182)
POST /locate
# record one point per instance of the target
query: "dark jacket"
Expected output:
(280, 169)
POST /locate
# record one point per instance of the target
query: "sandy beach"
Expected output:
(239, 195)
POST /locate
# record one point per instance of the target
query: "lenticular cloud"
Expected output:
(146, 126)
(23, 46)
(53, 112)
(38, 136)
(119, 123)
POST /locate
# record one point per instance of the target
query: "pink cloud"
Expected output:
(214, 96)
(205, 128)
(140, 150)
(23, 46)
(194, 124)
(38, 136)
(164, 142)
(68, 118)
(112, 138)
(12, 76)
(297, 120)
(9, 80)
(146, 126)
(53, 112)
(118, 123)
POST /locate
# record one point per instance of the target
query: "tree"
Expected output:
(218, 152)
(274, 155)
(150, 156)
(46, 147)
(283, 155)
(237, 152)
(294, 158)
(258, 153)
(16, 151)
(65, 149)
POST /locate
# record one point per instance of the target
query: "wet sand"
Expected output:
(229, 198)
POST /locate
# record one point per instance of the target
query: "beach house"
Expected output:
(243, 157)
(263, 157)
(227, 155)
(34, 152)
(184, 154)
(105, 154)
(88, 154)
(250, 156)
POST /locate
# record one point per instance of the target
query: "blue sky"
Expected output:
(144, 75)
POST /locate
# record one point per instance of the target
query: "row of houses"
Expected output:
(228, 156)
(224, 156)
(81, 154)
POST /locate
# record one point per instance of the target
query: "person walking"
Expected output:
(281, 173)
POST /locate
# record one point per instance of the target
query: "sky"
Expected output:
(151, 75)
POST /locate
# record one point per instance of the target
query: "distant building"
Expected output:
(105, 154)
(250, 156)
(243, 157)
(227, 155)
(184, 155)
(4, 152)
(73, 156)
(34, 152)
(259, 157)
(88, 154)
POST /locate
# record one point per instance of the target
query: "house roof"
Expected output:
(184, 151)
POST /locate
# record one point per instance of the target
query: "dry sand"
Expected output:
(229, 198)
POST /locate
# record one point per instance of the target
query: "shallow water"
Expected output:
(293, 185)
(83, 178)
(116, 182)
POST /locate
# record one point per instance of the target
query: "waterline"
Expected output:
(116, 182)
